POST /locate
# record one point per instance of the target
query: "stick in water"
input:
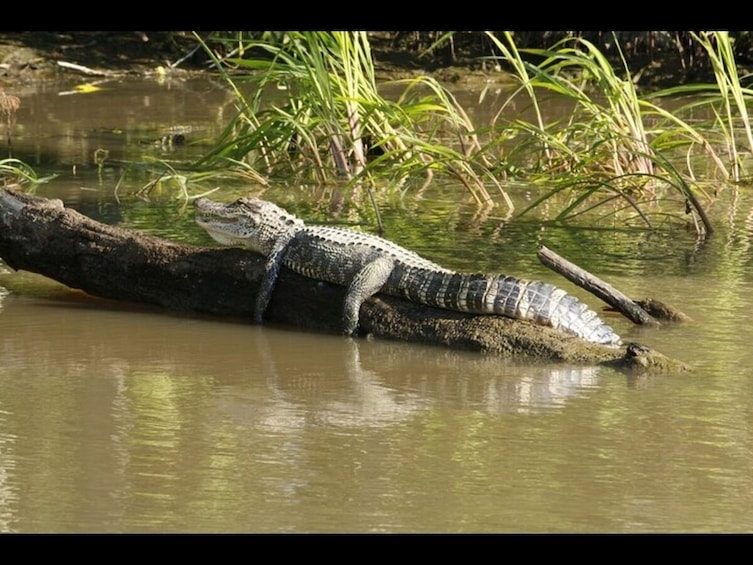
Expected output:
(596, 286)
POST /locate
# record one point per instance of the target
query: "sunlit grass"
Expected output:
(315, 115)
(615, 144)
(718, 46)
(309, 112)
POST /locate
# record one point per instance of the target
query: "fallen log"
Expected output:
(42, 236)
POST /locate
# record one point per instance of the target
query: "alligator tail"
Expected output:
(536, 301)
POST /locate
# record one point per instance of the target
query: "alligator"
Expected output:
(368, 264)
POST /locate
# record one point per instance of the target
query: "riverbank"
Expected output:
(27, 56)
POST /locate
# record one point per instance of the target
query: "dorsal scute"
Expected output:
(350, 238)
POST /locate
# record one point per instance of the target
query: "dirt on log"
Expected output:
(42, 236)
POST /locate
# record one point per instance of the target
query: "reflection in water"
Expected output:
(140, 430)
(122, 121)
(8, 491)
(115, 418)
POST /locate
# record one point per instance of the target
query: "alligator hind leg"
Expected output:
(367, 282)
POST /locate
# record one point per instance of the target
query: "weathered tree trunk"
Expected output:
(40, 235)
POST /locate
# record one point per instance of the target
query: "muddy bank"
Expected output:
(36, 55)
(654, 58)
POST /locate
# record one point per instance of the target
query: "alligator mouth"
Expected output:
(223, 236)
(210, 219)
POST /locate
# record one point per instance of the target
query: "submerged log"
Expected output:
(663, 311)
(44, 237)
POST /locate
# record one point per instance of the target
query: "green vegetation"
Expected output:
(732, 96)
(311, 111)
(605, 152)
(14, 171)
(315, 115)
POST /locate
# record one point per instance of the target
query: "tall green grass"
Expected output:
(614, 146)
(733, 96)
(310, 109)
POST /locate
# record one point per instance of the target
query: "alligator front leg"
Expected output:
(367, 282)
(268, 281)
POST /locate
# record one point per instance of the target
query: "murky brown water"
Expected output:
(123, 419)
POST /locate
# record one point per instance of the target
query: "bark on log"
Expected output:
(41, 236)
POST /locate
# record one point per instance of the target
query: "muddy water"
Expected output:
(116, 418)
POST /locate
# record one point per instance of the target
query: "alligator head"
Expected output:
(248, 222)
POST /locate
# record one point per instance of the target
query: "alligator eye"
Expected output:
(248, 204)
